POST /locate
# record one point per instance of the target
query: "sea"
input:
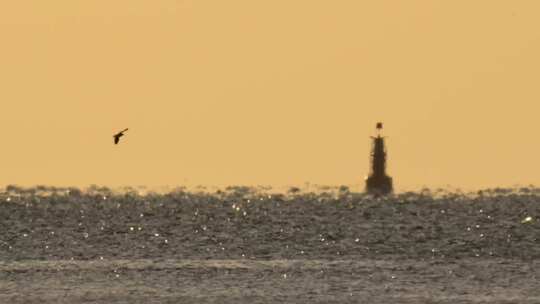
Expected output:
(259, 245)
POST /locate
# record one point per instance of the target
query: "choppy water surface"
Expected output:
(244, 245)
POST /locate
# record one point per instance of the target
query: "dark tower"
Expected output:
(378, 182)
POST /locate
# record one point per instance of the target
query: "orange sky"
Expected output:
(269, 92)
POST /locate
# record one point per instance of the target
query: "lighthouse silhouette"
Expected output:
(378, 182)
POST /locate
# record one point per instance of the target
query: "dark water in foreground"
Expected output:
(247, 246)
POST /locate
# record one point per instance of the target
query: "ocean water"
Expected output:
(247, 245)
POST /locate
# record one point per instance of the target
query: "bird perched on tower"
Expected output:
(118, 135)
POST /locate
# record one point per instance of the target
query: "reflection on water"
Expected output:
(245, 244)
(293, 281)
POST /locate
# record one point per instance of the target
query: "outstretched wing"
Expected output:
(118, 135)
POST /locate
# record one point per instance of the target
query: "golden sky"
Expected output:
(269, 92)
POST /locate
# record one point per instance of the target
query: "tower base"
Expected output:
(379, 185)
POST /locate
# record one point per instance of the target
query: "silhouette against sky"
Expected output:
(378, 182)
(118, 135)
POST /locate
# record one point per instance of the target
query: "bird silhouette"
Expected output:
(118, 135)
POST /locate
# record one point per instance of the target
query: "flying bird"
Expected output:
(118, 135)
